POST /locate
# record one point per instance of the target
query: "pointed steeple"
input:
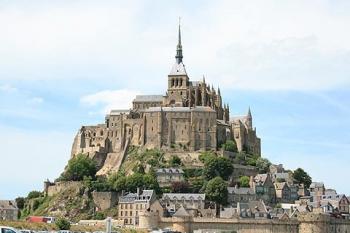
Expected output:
(179, 47)
(249, 113)
(219, 90)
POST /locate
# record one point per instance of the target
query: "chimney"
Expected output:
(138, 191)
(251, 182)
(123, 192)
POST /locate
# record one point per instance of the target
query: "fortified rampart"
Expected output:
(306, 223)
(51, 189)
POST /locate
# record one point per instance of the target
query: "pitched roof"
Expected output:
(181, 212)
(178, 69)
(169, 171)
(143, 196)
(242, 190)
(186, 196)
(148, 98)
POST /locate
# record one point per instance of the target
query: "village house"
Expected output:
(338, 201)
(282, 192)
(264, 188)
(131, 204)
(190, 201)
(317, 189)
(240, 194)
(8, 210)
(167, 176)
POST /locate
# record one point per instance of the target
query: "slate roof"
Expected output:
(169, 171)
(234, 190)
(178, 69)
(131, 197)
(254, 206)
(181, 196)
(181, 212)
(148, 98)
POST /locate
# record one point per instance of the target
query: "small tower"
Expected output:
(249, 121)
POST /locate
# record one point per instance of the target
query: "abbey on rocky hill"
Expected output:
(190, 117)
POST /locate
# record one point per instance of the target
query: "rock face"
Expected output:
(191, 115)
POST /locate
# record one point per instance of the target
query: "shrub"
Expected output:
(99, 216)
(230, 145)
(62, 224)
(244, 181)
(204, 156)
(175, 161)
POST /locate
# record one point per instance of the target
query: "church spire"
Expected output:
(179, 47)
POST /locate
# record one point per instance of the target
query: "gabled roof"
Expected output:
(234, 190)
(178, 69)
(169, 171)
(181, 196)
(181, 212)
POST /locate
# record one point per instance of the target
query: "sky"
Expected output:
(67, 63)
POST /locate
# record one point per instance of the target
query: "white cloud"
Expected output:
(7, 88)
(110, 99)
(35, 100)
(238, 44)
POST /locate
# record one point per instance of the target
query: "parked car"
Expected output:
(26, 231)
(4, 229)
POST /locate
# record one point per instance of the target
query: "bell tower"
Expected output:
(178, 81)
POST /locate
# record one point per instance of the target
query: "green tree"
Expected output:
(34, 194)
(62, 224)
(230, 145)
(216, 190)
(78, 167)
(302, 177)
(244, 181)
(217, 167)
(262, 165)
(225, 167)
(150, 182)
(175, 161)
(20, 201)
(133, 182)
